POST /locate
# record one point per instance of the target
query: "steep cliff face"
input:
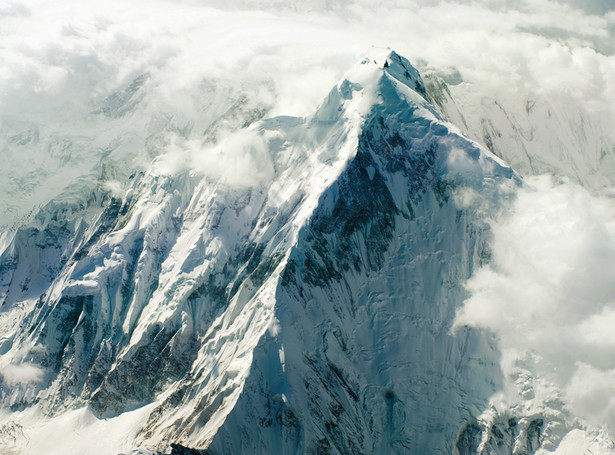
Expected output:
(306, 309)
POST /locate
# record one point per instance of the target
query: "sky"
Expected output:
(92, 90)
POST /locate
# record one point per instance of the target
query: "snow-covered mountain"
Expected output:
(298, 299)
(535, 134)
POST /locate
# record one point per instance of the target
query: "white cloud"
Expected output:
(591, 392)
(241, 160)
(550, 291)
(23, 373)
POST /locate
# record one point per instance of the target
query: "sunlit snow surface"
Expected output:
(237, 270)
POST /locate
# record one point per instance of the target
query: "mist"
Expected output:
(549, 293)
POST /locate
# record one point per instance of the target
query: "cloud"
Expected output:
(78, 47)
(591, 392)
(550, 292)
(241, 160)
(20, 374)
(72, 54)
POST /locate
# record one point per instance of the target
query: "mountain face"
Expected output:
(300, 304)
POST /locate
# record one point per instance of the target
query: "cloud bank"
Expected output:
(24, 373)
(549, 293)
(91, 90)
(97, 89)
(240, 160)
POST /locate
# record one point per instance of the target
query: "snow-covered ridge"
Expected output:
(535, 134)
(307, 310)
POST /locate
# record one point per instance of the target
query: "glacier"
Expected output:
(298, 303)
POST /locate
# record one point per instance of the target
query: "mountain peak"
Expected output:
(389, 60)
(380, 76)
(395, 66)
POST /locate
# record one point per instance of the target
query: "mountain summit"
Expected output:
(298, 302)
